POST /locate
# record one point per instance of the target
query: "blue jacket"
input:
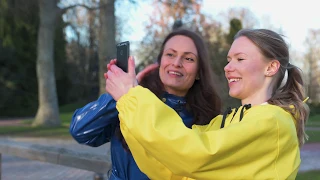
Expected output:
(95, 124)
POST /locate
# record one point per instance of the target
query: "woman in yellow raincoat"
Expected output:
(259, 140)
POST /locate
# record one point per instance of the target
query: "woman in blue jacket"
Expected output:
(184, 81)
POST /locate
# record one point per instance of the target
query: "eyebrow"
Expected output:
(236, 54)
(183, 53)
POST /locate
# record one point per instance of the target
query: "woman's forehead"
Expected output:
(181, 43)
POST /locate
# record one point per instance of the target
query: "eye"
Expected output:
(169, 54)
(189, 59)
(240, 59)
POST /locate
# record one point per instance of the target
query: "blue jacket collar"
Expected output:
(176, 102)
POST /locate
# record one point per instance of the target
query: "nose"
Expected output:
(228, 67)
(177, 62)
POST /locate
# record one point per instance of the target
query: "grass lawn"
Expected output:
(314, 121)
(66, 112)
(25, 130)
(311, 175)
(314, 136)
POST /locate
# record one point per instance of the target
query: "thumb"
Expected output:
(131, 67)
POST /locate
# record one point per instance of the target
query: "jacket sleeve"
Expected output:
(191, 152)
(95, 123)
(148, 164)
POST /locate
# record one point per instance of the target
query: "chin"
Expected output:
(176, 88)
(232, 94)
(172, 85)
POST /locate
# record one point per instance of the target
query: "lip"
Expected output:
(175, 74)
(233, 77)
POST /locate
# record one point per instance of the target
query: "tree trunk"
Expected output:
(48, 111)
(107, 45)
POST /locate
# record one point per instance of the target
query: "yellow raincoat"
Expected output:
(263, 144)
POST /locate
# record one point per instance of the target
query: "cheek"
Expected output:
(162, 67)
(254, 73)
(164, 63)
(192, 70)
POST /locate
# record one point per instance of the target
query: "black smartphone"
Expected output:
(123, 52)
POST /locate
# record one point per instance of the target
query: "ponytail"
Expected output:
(289, 94)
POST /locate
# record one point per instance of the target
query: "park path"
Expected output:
(16, 168)
(310, 157)
(24, 169)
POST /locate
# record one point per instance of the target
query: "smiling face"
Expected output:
(246, 72)
(179, 65)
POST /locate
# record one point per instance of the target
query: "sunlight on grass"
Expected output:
(64, 117)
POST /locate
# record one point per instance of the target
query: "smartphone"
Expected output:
(123, 52)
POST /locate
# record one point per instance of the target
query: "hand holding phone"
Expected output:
(123, 53)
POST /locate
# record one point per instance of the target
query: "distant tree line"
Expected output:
(84, 34)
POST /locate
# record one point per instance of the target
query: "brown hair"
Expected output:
(202, 98)
(291, 94)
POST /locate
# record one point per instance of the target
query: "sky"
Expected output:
(294, 18)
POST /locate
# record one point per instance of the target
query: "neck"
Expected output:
(256, 99)
(260, 96)
(176, 92)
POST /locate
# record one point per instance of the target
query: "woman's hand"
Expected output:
(146, 71)
(141, 74)
(118, 82)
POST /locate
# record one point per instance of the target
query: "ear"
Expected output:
(272, 68)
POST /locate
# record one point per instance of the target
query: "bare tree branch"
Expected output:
(63, 10)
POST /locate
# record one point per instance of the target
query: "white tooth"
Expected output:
(176, 73)
(234, 80)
